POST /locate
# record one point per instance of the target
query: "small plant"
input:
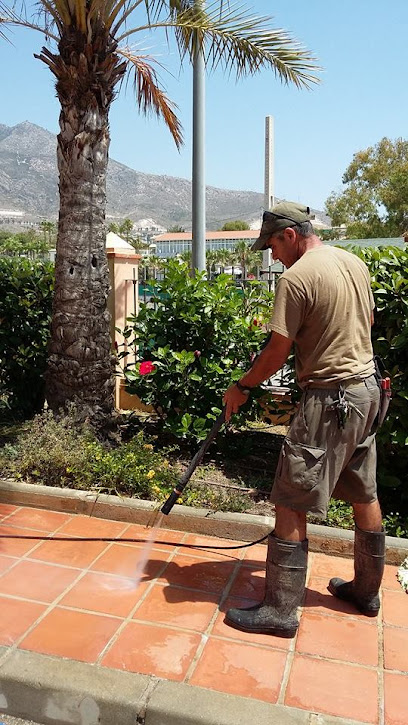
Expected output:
(58, 453)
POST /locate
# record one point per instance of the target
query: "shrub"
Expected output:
(58, 453)
(192, 344)
(25, 313)
(389, 275)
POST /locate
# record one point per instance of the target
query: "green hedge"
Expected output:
(25, 311)
(389, 275)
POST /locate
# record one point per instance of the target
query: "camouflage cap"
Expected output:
(285, 214)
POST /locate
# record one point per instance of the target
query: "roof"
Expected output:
(114, 243)
(187, 236)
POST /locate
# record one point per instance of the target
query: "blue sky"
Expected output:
(361, 45)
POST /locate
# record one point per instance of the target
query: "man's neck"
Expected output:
(311, 242)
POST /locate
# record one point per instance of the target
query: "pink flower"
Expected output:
(197, 353)
(146, 367)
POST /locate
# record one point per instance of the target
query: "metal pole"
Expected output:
(269, 192)
(198, 185)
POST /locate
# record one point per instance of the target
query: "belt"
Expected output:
(335, 384)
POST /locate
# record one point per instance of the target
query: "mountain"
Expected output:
(29, 184)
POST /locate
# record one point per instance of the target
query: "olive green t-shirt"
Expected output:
(324, 303)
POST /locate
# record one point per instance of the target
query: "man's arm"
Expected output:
(268, 362)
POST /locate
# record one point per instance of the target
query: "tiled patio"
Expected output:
(81, 600)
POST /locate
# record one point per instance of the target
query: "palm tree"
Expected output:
(90, 56)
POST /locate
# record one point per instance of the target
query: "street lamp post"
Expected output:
(198, 165)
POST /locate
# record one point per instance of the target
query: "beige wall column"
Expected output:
(123, 301)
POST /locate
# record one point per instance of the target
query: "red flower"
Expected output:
(146, 367)
(197, 353)
(255, 322)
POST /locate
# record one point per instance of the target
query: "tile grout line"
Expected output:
(129, 618)
(55, 601)
(381, 662)
(205, 635)
(292, 647)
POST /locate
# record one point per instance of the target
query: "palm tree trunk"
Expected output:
(81, 365)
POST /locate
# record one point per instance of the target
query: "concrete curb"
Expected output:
(240, 527)
(51, 690)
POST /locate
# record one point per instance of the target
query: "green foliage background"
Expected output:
(389, 278)
(25, 312)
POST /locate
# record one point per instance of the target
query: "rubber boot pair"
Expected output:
(286, 566)
(369, 558)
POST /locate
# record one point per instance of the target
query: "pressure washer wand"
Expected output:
(178, 490)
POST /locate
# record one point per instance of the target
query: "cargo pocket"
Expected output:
(301, 464)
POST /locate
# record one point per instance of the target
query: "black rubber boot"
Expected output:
(369, 557)
(286, 566)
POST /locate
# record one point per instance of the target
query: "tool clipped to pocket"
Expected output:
(385, 399)
(384, 383)
(343, 408)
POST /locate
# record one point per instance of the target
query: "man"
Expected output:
(323, 305)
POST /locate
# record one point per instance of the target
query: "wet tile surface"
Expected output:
(158, 608)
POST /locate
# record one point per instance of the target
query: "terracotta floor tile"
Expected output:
(6, 562)
(395, 697)
(66, 633)
(221, 629)
(255, 556)
(390, 580)
(240, 669)
(151, 650)
(73, 553)
(125, 560)
(350, 640)
(6, 509)
(165, 539)
(326, 566)
(395, 608)
(208, 553)
(319, 601)
(105, 593)
(202, 574)
(396, 649)
(89, 526)
(16, 617)
(17, 547)
(35, 580)
(178, 607)
(40, 519)
(332, 688)
(249, 583)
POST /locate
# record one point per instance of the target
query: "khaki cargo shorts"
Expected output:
(319, 460)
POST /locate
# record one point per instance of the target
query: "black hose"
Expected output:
(178, 490)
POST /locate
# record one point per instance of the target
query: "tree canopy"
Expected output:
(375, 200)
(235, 226)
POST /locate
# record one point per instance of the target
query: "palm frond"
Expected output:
(150, 97)
(238, 41)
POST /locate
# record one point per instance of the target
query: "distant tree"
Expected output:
(113, 227)
(236, 226)
(375, 200)
(328, 235)
(125, 229)
(24, 244)
(49, 230)
(176, 229)
(244, 256)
